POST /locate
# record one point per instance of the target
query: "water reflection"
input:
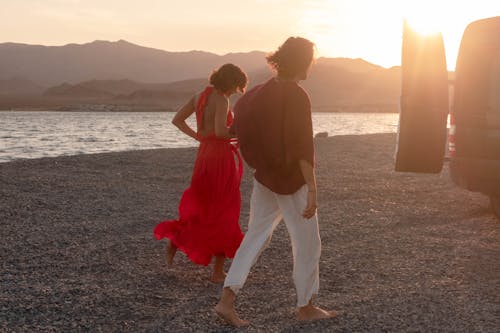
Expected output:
(44, 134)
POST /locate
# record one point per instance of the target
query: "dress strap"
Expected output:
(200, 106)
(234, 147)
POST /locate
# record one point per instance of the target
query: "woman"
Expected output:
(209, 209)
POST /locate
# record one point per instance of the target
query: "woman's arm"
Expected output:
(180, 118)
(221, 110)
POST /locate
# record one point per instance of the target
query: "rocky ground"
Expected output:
(401, 252)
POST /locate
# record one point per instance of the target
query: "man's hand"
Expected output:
(312, 204)
(309, 176)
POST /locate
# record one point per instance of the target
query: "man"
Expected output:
(274, 127)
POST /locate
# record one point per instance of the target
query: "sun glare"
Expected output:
(447, 17)
(423, 26)
(340, 28)
(426, 17)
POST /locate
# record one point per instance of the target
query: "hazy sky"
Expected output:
(368, 29)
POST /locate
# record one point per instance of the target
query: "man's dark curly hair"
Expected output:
(293, 57)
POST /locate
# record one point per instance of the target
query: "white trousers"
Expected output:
(266, 211)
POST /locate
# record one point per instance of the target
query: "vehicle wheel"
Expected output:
(495, 205)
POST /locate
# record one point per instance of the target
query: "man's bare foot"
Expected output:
(310, 312)
(225, 309)
(229, 315)
(171, 251)
(218, 277)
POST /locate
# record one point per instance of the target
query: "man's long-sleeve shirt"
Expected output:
(274, 127)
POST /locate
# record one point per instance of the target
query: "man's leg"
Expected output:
(264, 217)
(306, 248)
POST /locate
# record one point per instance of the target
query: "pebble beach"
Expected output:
(401, 252)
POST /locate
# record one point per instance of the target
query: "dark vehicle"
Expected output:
(474, 133)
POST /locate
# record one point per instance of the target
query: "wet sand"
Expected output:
(401, 251)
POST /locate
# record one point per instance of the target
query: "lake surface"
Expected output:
(26, 134)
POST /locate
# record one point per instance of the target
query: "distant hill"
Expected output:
(357, 65)
(347, 87)
(332, 88)
(122, 73)
(19, 86)
(73, 63)
(99, 88)
(125, 90)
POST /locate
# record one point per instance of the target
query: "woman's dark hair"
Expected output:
(293, 57)
(229, 76)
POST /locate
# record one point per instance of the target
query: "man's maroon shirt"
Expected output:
(274, 127)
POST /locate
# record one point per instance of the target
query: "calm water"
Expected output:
(47, 134)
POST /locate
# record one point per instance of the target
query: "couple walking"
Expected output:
(273, 128)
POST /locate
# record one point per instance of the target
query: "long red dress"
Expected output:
(209, 209)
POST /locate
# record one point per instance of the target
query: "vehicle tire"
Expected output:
(495, 205)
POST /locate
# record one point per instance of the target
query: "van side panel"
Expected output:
(476, 109)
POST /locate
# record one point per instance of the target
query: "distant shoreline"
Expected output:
(43, 133)
(314, 110)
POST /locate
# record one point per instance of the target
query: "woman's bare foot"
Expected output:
(310, 312)
(225, 309)
(171, 251)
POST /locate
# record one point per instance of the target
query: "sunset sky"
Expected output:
(368, 29)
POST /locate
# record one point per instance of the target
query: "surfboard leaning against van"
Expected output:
(474, 134)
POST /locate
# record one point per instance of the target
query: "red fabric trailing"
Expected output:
(209, 209)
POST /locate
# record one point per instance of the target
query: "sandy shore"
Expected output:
(401, 252)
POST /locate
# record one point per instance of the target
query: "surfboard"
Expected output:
(424, 103)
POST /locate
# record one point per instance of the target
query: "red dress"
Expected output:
(209, 209)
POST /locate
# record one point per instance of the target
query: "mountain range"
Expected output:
(121, 75)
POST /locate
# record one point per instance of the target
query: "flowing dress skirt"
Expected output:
(209, 210)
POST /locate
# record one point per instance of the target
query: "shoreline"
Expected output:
(400, 251)
(195, 146)
(175, 110)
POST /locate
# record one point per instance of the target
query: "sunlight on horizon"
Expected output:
(375, 28)
(365, 29)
